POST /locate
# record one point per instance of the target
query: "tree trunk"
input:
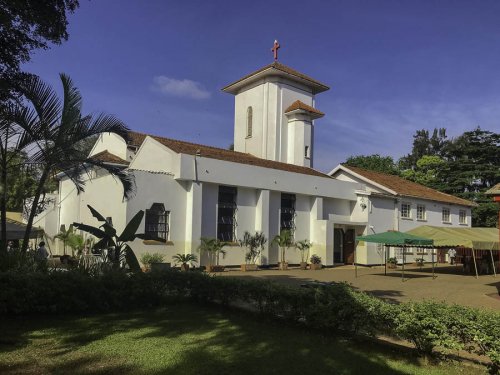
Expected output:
(34, 206)
(3, 208)
(3, 201)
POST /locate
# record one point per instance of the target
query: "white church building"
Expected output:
(266, 184)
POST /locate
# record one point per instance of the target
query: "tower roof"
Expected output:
(279, 70)
(300, 106)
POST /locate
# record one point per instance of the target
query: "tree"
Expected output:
(424, 146)
(111, 241)
(31, 24)
(472, 166)
(384, 164)
(57, 129)
(427, 172)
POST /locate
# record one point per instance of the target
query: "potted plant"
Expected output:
(284, 240)
(303, 246)
(392, 262)
(153, 261)
(420, 262)
(185, 260)
(254, 244)
(315, 262)
(213, 247)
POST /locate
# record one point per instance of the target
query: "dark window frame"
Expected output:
(287, 213)
(157, 225)
(226, 213)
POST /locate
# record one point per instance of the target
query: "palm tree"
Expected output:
(56, 128)
(65, 236)
(213, 247)
(13, 142)
(185, 260)
(284, 240)
(303, 247)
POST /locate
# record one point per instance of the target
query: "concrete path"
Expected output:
(450, 285)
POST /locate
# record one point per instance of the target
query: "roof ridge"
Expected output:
(251, 159)
(193, 144)
(420, 186)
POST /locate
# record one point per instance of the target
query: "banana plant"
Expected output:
(117, 244)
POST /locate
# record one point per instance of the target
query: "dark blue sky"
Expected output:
(393, 66)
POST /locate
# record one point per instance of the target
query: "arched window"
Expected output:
(157, 218)
(249, 121)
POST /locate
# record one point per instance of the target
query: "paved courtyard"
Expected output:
(450, 285)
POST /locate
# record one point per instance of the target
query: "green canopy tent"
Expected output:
(397, 239)
(472, 238)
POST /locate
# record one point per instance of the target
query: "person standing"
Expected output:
(452, 253)
(42, 253)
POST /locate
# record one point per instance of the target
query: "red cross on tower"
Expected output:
(275, 50)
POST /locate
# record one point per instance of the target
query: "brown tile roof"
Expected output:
(188, 148)
(300, 105)
(286, 69)
(495, 190)
(107, 157)
(408, 188)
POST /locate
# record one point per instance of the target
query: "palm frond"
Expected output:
(43, 98)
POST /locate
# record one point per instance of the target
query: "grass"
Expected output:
(186, 339)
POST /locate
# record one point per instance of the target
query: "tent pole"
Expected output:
(432, 260)
(475, 265)
(493, 264)
(355, 263)
(403, 274)
(385, 256)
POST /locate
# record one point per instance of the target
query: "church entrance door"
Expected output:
(349, 243)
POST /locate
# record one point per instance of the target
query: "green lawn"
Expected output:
(188, 339)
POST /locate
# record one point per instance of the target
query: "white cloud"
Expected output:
(180, 87)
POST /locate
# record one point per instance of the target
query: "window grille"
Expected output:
(226, 214)
(157, 223)
(421, 214)
(446, 215)
(287, 219)
(405, 210)
(462, 217)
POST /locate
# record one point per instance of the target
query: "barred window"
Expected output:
(446, 215)
(462, 217)
(226, 214)
(249, 121)
(157, 226)
(287, 219)
(421, 213)
(405, 210)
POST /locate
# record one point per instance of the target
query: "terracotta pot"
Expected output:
(303, 265)
(283, 266)
(392, 265)
(184, 267)
(249, 267)
(316, 267)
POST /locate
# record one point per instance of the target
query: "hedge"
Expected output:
(333, 308)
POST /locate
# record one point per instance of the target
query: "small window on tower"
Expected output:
(249, 121)
(306, 152)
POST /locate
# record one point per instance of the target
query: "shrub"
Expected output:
(336, 307)
(147, 259)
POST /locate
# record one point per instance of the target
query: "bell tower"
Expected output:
(274, 113)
